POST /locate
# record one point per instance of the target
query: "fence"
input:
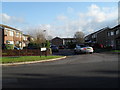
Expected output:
(25, 52)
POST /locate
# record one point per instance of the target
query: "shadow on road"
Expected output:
(58, 81)
(64, 52)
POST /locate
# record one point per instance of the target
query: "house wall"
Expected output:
(57, 41)
(113, 39)
(25, 40)
(101, 37)
(1, 40)
(11, 38)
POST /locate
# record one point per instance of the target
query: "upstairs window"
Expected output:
(108, 33)
(17, 34)
(6, 32)
(117, 32)
(112, 33)
(11, 33)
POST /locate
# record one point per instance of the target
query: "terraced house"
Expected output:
(106, 36)
(13, 36)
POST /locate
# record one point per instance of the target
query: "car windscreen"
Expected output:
(82, 45)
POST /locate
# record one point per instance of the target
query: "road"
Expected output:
(76, 71)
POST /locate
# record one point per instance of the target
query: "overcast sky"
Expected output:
(61, 19)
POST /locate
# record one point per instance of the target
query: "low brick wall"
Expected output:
(25, 52)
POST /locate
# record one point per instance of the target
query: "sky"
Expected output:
(60, 19)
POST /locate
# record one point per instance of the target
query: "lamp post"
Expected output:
(44, 33)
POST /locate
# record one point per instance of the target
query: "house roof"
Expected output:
(106, 28)
(64, 38)
(26, 35)
(57, 38)
(115, 27)
(6, 26)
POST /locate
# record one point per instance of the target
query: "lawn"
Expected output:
(26, 58)
(115, 50)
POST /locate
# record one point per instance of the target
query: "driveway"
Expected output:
(76, 71)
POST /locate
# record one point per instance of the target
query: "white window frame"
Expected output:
(117, 32)
(111, 33)
(17, 34)
(11, 33)
(6, 32)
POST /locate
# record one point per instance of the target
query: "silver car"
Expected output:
(83, 49)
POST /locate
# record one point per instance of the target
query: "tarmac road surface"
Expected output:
(76, 71)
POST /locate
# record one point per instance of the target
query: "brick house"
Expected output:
(11, 36)
(1, 38)
(57, 41)
(113, 38)
(62, 41)
(106, 36)
(25, 40)
(1, 35)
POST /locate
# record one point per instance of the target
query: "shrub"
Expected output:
(47, 44)
(9, 46)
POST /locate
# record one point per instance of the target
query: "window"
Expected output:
(17, 42)
(117, 32)
(17, 34)
(20, 35)
(94, 35)
(6, 32)
(11, 33)
(108, 33)
(25, 38)
(9, 42)
(112, 33)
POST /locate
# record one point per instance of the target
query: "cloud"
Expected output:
(70, 10)
(61, 18)
(95, 18)
(7, 19)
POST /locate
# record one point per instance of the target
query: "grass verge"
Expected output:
(115, 51)
(26, 58)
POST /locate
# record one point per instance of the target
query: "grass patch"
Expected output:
(26, 58)
(115, 51)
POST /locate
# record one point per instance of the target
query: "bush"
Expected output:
(47, 44)
(9, 46)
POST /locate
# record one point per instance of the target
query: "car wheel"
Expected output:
(91, 52)
(75, 53)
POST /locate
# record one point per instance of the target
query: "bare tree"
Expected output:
(79, 37)
(49, 37)
(38, 35)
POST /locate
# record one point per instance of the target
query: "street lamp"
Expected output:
(44, 33)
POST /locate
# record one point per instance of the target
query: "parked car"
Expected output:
(83, 49)
(17, 48)
(61, 47)
(54, 48)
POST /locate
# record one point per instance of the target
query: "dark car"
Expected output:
(54, 48)
(61, 47)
